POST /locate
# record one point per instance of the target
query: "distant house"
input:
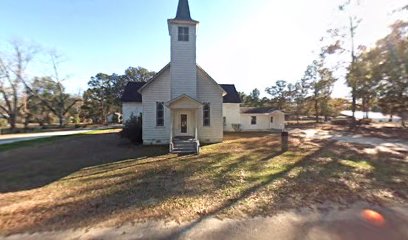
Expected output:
(182, 105)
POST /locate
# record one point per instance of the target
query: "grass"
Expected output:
(246, 175)
(48, 140)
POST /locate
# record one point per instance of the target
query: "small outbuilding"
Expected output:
(261, 119)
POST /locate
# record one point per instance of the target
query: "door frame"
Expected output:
(190, 131)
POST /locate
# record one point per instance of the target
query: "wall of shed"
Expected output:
(231, 112)
(131, 108)
(278, 120)
(263, 122)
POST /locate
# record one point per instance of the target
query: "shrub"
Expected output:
(341, 121)
(236, 127)
(3, 123)
(365, 121)
(133, 130)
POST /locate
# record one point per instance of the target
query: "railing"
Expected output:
(171, 145)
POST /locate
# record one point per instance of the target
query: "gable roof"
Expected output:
(131, 93)
(261, 110)
(212, 80)
(154, 78)
(133, 90)
(184, 96)
(232, 94)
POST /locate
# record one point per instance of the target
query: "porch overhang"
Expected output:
(184, 102)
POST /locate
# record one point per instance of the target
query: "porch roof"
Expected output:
(184, 102)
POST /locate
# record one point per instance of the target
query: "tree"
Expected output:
(301, 92)
(354, 22)
(364, 74)
(321, 81)
(253, 99)
(393, 84)
(132, 74)
(13, 67)
(279, 94)
(138, 74)
(101, 97)
(54, 97)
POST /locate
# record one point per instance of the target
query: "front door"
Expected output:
(184, 123)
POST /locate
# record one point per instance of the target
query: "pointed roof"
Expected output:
(183, 11)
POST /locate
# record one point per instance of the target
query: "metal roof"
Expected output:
(131, 93)
(232, 94)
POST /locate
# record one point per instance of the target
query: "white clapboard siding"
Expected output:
(158, 91)
(131, 108)
(263, 121)
(231, 112)
(183, 62)
(209, 92)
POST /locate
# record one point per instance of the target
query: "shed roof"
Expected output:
(131, 93)
(254, 110)
(232, 93)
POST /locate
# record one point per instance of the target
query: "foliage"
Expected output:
(279, 94)
(380, 74)
(13, 65)
(47, 97)
(3, 123)
(237, 127)
(133, 130)
(253, 99)
(104, 92)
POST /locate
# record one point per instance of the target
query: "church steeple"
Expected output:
(183, 11)
(183, 36)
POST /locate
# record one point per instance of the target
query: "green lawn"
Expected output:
(97, 180)
(48, 140)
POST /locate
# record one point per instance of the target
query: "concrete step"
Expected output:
(184, 150)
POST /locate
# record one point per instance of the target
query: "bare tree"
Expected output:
(13, 66)
(60, 102)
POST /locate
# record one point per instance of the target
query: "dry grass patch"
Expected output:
(247, 175)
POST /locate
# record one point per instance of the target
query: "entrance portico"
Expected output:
(184, 123)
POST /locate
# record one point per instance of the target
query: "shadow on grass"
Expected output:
(39, 165)
(217, 182)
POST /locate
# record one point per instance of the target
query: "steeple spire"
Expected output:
(183, 11)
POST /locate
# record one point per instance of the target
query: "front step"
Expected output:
(184, 146)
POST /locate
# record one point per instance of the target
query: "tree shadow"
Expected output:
(36, 166)
(166, 187)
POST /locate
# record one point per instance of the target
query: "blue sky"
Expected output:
(249, 43)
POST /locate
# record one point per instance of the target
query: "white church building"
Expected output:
(182, 105)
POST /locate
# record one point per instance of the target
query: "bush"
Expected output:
(365, 121)
(341, 121)
(3, 123)
(236, 127)
(133, 130)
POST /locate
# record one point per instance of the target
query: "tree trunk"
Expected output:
(12, 121)
(317, 110)
(353, 105)
(61, 120)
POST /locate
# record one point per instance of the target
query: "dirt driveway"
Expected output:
(375, 144)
